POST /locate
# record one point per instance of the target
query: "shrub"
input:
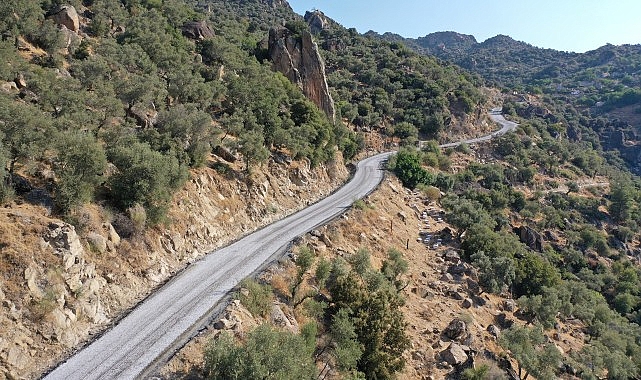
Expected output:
(146, 177)
(257, 298)
(267, 354)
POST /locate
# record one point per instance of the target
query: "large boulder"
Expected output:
(66, 15)
(297, 57)
(454, 354)
(457, 329)
(529, 237)
(197, 30)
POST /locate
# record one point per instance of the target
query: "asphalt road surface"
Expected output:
(495, 115)
(168, 318)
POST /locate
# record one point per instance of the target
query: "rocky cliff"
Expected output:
(297, 57)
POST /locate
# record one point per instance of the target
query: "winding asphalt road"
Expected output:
(495, 115)
(153, 330)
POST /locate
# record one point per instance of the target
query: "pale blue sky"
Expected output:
(568, 25)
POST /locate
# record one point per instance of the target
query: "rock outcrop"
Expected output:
(317, 21)
(529, 237)
(455, 354)
(297, 57)
(66, 15)
(197, 30)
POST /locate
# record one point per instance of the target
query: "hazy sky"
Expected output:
(569, 25)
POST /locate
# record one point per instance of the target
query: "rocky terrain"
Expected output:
(452, 326)
(64, 284)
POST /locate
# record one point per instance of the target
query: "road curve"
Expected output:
(129, 348)
(172, 314)
(496, 116)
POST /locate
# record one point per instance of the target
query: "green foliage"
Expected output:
(621, 198)
(24, 131)
(323, 269)
(5, 187)
(478, 373)
(146, 177)
(253, 149)
(20, 17)
(463, 213)
(533, 274)
(495, 271)
(372, 304)
(543, 307)
(534, 356)
(304, 261)
(297, 27)
(80, 164)
(184, 132)
(407, 167)
(394, 267)
(360, 261)
(268, 354)
(257, 298)
(391, 85)
(348, 349)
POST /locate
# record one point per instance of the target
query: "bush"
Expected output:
(267, 354)
(80, 164)
(257, 298)
(145, 177)
(407, 167)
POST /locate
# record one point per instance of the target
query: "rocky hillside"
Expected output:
(536, 306)
(78, 279)
(135, 136)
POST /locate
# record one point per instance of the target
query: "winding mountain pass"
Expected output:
(153, 330)
(496, 116)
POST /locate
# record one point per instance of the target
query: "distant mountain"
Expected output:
(503, 61)
(603, 85)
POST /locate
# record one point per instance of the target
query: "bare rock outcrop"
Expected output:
(529, 237)
(297, 57)
(66, 15)
(317, 21)
(455, 354)
(197, 30)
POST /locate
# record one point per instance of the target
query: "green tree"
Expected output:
(304, 261)
(24, 131)
(394, 267)
(534, 356)
(495, 271)
(407, 166)
(144, 176)
(533, 273)
(376, 315)
(256, 297)
(622, 201)
(348, 349)
(268, 354)
(463, 213)
(185, 132)
(79, 165)
(252, 148)
(542, 307)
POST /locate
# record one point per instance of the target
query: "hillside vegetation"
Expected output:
(144, 124)
(597, 92)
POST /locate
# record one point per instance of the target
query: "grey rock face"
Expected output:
(297, 57)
